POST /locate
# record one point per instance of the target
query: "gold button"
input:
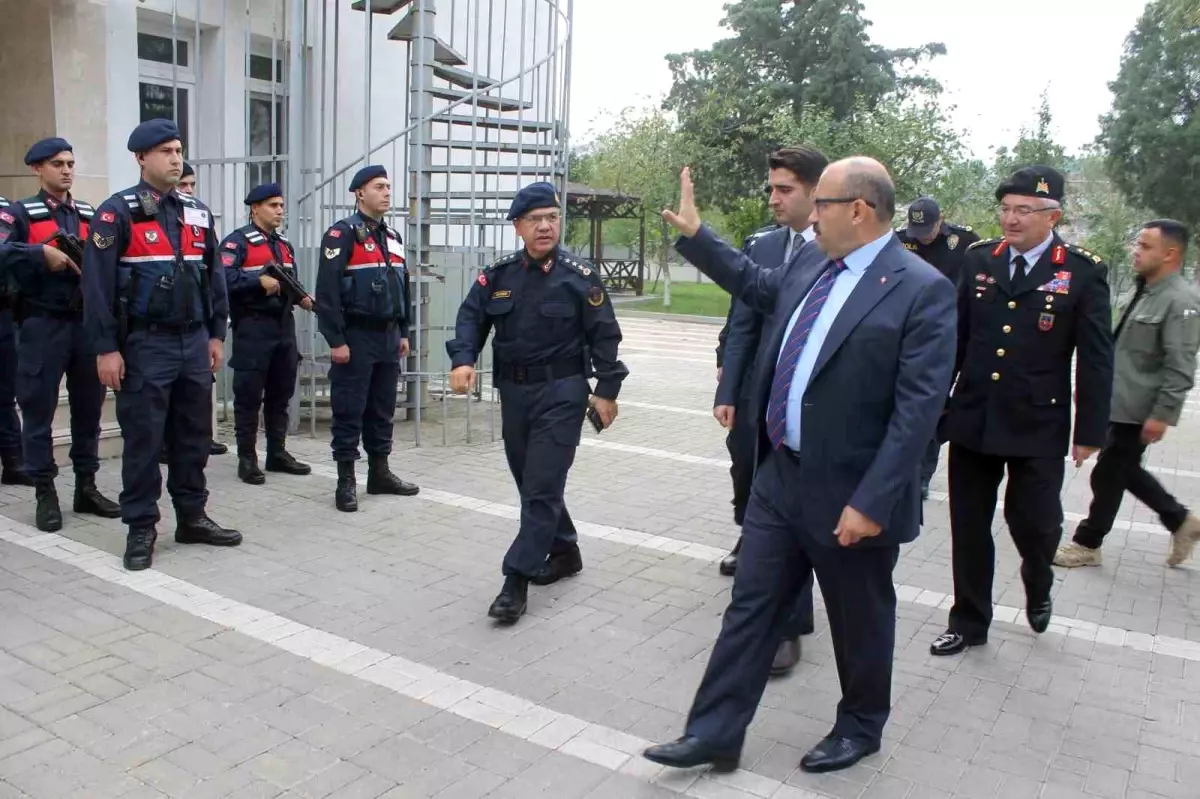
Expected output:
(1008, 328)
(1000, 353)
(995, 376)
(1012, 305)
(1049, 298)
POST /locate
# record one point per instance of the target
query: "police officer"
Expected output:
(265, 355)
(187, 181)
(155, 310)
(53, 342)
(362, 311)
(11, 468)
(550, 312)
(944, 247)
(1030, 302)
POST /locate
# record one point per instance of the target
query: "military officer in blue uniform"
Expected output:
(49, 307)
(554, 325)
(12, 470)
(362, 311)
(265, 355)
(155, 310)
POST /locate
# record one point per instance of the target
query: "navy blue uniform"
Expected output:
(553, 321)
(265, 356)
(49, 308)
(10, 423)
(362, 303)
(149, 267)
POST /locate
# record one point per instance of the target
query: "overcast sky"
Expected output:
(1000, 57)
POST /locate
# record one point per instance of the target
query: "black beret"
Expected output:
(46, 148)
(532, 197)
(366, 175)
(1034, 181)
(152, 133)
(264, 192)
(187, 170)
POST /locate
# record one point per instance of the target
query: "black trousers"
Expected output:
(1033, 510)
(930, 461)
(1119, 469)
(778, 555)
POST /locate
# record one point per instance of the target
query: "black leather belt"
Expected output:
(539, 372)
(174, 328)
(368, 323)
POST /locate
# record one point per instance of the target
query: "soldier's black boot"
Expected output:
(346, 494)
(88, 499)
(139, 548)
(380, 479)
(509, 604)
(217, 448)
(248, 471)
(199, 529)
(280, 460)
(558, 566)
(49, 515)
(12, 473)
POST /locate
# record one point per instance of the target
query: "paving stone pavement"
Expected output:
(349, 655)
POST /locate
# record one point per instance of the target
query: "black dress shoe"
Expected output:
(834, 753)
(1038, 614)
(139, 548)
(786, 657)
(203, 530)
(509, 605)
(689, 752)
(217, 448)
(48, 517)
(380, 479)
(248, 471)
(951, 643)
(558, 566)
(88, 499)
(281, 460)
(12, 473)
(729, 563)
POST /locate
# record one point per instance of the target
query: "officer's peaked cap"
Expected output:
(264, 192)
(366, 175)
(532, 197)
(1034, 181)
(152, 133)
(46, 148)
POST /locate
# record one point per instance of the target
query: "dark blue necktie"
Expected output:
(785, 368)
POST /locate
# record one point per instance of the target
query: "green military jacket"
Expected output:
(1156, 353)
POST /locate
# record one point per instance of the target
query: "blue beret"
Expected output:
(187, 170)
(46, 148)
(366, 175)
(149, 135)
(532, 197)
(264, 192)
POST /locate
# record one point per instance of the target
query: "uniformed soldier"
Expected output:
(187, 181)
(265, 354)
(943, 246)
(1155, 364)
(1029, 303)
(12, 470)
(554, 325)
(155, 310)
(53, 343)
(362, 311)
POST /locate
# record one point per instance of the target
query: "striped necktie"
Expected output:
(785, 368)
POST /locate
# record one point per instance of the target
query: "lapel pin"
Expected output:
(883, 279)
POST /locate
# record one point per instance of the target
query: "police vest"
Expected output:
(258, 255)
(42, 224)
(159, 284)
(373, 283)
(57, 291)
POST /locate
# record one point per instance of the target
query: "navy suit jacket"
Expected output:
(746, 322)
(878, 386)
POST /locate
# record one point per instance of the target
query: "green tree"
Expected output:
(1036, 146)
(1104, 221)
(1152, 134)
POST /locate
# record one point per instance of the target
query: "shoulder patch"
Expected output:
(984, 243)
(512, 257)
(578, 265)
(1080, 251)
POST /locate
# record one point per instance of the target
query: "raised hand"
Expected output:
(687, 221)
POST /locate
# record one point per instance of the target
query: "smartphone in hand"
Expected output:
(593, 416)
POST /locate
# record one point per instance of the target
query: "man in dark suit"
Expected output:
(851, 376)
(792, 181)
(1030, 302)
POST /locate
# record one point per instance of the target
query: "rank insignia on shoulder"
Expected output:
(503, 294)
(595, 296)
(982, 243)
(332, 252)
(102, 242)
(952, 241)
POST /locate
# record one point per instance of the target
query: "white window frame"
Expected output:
(257, 89)
(161, 74)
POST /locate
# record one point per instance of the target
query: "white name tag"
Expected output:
(395, 247)
(195, 216)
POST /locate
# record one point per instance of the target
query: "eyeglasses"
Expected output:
(538, 219)
(823, 201)
(1022, 211)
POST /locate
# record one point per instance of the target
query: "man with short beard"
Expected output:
(53, 342)
(155, 312)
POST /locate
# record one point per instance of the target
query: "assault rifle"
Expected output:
(72, 246)
(288, 283)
